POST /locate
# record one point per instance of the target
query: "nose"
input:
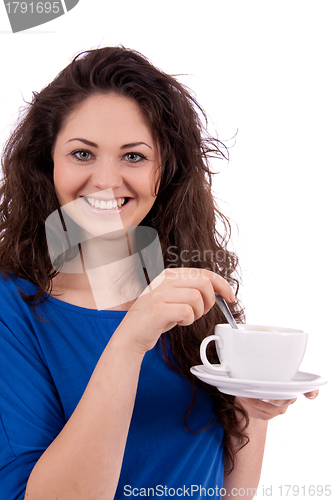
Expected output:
(106, 174)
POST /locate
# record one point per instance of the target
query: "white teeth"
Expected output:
(103, 205)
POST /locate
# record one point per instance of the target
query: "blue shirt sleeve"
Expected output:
(31, 414)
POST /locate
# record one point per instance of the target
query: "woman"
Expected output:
(97, 400)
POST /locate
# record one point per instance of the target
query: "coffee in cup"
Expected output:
(254, 352)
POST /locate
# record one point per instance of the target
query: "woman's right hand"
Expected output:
(178, 296)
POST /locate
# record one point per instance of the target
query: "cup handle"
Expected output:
(223, 367)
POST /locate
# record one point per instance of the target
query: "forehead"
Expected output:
(105, 114)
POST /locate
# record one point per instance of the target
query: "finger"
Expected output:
(263, 403)
(172, 314)
(312, 394)
(259, 409)
(207, 282)
(190, 296)
(196, 277)
(279, 402)
(186, 314)
(222, 286)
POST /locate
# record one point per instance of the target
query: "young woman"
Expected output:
(96, 397)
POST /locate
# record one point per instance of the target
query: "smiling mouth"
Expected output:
(106, 204)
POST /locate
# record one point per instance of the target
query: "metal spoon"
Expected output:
(225, 309)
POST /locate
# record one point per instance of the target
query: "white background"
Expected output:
(263, 68)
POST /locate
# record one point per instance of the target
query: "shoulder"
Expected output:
(10, 288)
(16, 316)
(11, 281)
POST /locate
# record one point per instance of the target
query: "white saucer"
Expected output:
(301, 383)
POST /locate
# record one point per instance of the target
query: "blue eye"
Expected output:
(81, 155)
(135, 157)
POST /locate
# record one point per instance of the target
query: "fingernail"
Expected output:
(232, 297)
(313, 397)
(266, 400)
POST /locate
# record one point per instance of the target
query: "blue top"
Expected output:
(44, 369)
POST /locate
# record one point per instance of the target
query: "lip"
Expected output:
(105, 212)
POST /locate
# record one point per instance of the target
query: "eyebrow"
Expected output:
(85, 141)
(125, 146)
(134, 144)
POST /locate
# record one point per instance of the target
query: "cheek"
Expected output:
(143, 183)
(66, 184)
(65, 177)
(154, 181)
(150, 189)
(59, 171)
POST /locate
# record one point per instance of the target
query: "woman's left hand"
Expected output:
(267, 409)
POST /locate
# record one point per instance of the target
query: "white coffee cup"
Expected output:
(254, 352)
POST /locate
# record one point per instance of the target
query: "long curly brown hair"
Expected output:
(184, 213)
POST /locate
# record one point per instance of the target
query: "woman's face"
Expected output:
(105, 163)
